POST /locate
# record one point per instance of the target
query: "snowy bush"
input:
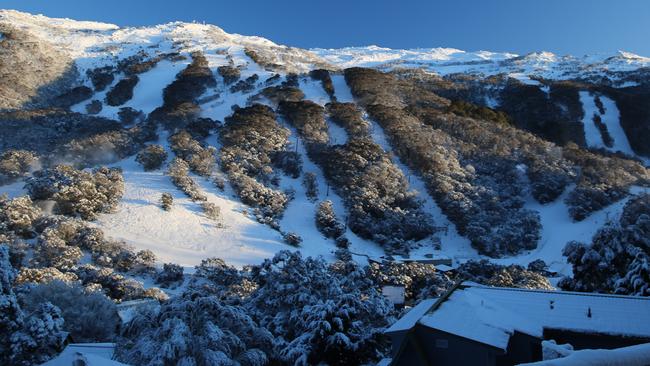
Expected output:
(94, 107)
(289, 161)
(483, 196)
(101, 148)
(101, 77)
(308, 118)
(230, 74)
(178, 170)
(77, 192)
(602, 180)
(190, 83)
(170, 273)
(200, 128)
(376, 194)
(251, 138)
(128, 115)
(211, 210)
(115, 285)
(492, 274)
(15, 164)
(43, 276)
(53, 247)
(201, 160)
(166, 201)
(89, 317)
(420, 280)
(311, 185)
(17, 215)
(374, 189)
(152, 157)
(245, 86)
(348, 116)
(122, 92)
(319, 314)
(292, 238)
(326, 221)
(277, 94)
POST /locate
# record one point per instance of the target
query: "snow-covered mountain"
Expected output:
(164, 155)
(184, 236)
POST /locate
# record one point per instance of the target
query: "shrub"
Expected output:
(77, 192)
(251, 140)
(492, 274)
(190, 83)
(326, 221)
(178, 171)
(201, 160)
(129, 115)
(348, 116)
(169, 274)
(292, 238)
(229, 73)
(211, 210)
(311, 185)
(152, 157)
(17, 215)
(122, 92)
(101, 77)
(166, 201)
(245, 86)
(15, 164)
(615, 259)
(94, 107)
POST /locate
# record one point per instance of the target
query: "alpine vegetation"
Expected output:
(188, 196)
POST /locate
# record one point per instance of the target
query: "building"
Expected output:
(480, 325)
(86, 354)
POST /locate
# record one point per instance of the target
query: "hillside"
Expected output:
(133, 155)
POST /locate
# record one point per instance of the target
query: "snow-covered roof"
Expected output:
(490, 315)
(626, 356)
(409, 319)
(94, 354)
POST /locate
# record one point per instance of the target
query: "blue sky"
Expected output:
(560, 26)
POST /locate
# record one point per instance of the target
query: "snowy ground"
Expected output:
(184, 235)
(13, 190)
(611, 119)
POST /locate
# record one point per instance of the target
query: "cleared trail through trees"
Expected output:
(452, 243)
(299, 215)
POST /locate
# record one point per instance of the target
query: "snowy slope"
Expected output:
(93, 44)
(186, 236)
(446, 61)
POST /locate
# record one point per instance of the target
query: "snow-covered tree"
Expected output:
(170, 273)
(89, 316)
(311, 185)
(152, 157)
(17, 215)
(326, 221)
(319, 314)
(25, 339)
(195, 329)
(166, 201)
(77, 192)
(617, 258)
(15, 164)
